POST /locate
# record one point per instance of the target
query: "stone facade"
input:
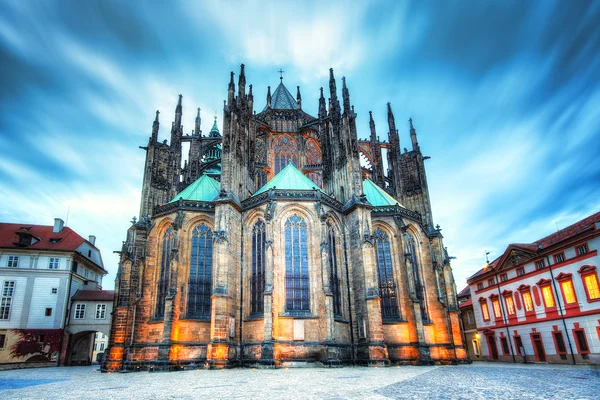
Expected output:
(323, 275)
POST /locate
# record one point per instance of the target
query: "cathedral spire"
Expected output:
(231, 90)
(413, 135)
(345, 95)
(333, 90)
(268, 96)
(322, 106)
(299, 98)
(250, 99)
(155, 126)
(178, 111)
(242, 83)
(198, 123)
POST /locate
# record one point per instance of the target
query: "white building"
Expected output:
(41, 268)
(540, 302)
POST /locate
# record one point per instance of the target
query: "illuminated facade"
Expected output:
(293, 253)
(540, 302)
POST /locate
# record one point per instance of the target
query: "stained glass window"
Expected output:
(200, 281)
(334, 279)
(261, 151)
(261, 179)
(168, 242)
(297, 286)
(257, 282)
(285, 149)
(387, 285)
(316, 177)
(313, 152)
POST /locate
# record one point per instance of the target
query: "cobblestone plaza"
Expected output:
(477, 381)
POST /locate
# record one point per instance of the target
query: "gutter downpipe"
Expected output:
(562, 316)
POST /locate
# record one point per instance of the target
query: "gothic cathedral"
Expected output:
(272, 245)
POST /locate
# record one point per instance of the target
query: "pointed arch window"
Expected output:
(261, 179)
(257, 281)
(297, 287)
(411, 254)
(286, 150)
(168, 244)
(385, 275)
(313, 153)
(200, 280)
(334, 278)
(261, 151)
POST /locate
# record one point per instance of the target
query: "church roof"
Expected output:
(282, 99)
(377, 196)
(204, 188)
(289, 178)
(214, 131)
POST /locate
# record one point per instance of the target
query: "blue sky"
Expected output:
(505, 97)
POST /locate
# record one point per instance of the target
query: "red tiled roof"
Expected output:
(465, 292)
(561, 235)
(94, 295)
(466, 303)
(69, 239)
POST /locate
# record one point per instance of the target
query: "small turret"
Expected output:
(413, 135)
(299, 98)
(345, 96)
(155, 126)
(231, 90)
(391, 120)
(322, 106)
(332, 89)
(242, 83)
(197, 129)
(269, 97)
(250, 99)
(179, 111)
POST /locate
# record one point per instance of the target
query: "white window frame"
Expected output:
(13, 262)
(8, 292)
(101, 311)
(79, 311)
(53, 262)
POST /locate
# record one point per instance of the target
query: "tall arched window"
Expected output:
(285, 149)
(411, 250)
(261, 179)
(334, 278)
(257, 282)
(385, 274)
(261, 151)
(168, 242)
(297, 288)
(313, 152)
(200, 281)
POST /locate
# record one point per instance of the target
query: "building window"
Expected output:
(519, 345)
(503, 277)
(261, 179)
(8, 291)
(580, 340)
(79, 311)
(566, 287)
(589, 276)
(53, 262)
(2, 341)
(548, 296)
(476, 348)
(334, 279)
(583, 249)
(559, 344)
(48, 312)
(101, 346)
(558, 258)
(520, 271)
(168, 242)
(297, 285)
(470, 317)
(54, 290)
(497, 310)
(100, 311)
(285, 150)
(480, 286)
(257, 282)
(95, 346)
(510, 304)
(491, 282)
(504, 342)
(13, 261)
(539, 264)
(527, 302)
(385, 276)
(316, 177)
(200, 280)
(485, 312)
(313, 153)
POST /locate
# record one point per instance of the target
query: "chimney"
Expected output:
(92, 239)
(58, 225)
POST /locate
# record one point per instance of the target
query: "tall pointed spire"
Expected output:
(155, 126)
(391, 120)
(268, 96)
(332, 87)
(178, 111)
(250, 99)
(322, 106)
(197, 128)
(413, 135)
(345, 95)
(242, 83)
(299, 98)
(230, 90)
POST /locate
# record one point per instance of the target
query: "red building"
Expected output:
(540, 301)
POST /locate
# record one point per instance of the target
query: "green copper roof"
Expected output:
(282, 99)
(377, 196)
(289, 178)
(204, 188)
(214, 131)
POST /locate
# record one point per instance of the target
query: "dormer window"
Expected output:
(55, 240)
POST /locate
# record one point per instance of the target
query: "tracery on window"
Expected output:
(200, 280)
(168, 244)
(261, 179)
(261, 151)
(285, 149)
(297, 299)
(257, 281)
(385, 275)
(313, 152)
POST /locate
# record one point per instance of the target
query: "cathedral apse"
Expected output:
(272, 245)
